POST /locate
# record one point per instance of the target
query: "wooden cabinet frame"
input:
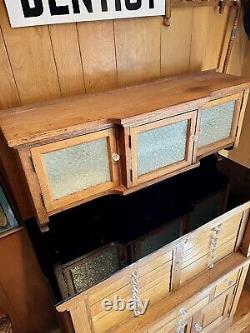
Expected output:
(123, 113)
(227, 142)
(134, 131)
(55, 204)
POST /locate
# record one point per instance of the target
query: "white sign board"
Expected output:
(24, 13)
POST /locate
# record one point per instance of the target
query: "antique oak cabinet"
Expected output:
(77, 149)
(182, 244)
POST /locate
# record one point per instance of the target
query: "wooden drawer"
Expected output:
(214, 313)
(197, 247)
(153, 276)
(168, 324)
(229, 281)
(160, 273)
(197, 299)
(203, 300)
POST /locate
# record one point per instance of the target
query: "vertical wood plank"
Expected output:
(238, 53)
(64, 39)
(242, 153)
(216, 37)
(81, 319)
(32, 60)
(98, 55)
(200, 32)
(29, 303)
(176, 43)
(137, 49)
(8, 90)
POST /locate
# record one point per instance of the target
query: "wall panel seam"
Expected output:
(80, 51)
(54, 57)
(11, 67)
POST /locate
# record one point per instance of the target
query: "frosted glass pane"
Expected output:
(161, 147)
(77, 168)
(216, 123)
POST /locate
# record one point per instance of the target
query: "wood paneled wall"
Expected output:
(242, 153)
(24, 292)
(43, 63)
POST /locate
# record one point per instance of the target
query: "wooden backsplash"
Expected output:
(42, 63)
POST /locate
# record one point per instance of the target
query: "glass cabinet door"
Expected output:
(162, 147)
(218, 124)
(74, 169)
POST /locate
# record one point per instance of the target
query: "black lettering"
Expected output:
(133, 6)
(57, 10)
(32, 11)
(118, 6)
(104, 6)
(87, 3)
(151, 4)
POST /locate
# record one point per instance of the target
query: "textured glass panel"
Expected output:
(77, 168)
(92, 270)
(216, 123)
(161, 147)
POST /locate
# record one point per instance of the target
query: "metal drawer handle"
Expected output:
(213, 245)
(115, 157)
(198, 328)
(182, 322)
(229, 282)
(136, 295)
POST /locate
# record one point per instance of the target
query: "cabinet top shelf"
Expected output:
(77, 115)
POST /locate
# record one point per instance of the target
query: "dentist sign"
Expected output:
(24, 13)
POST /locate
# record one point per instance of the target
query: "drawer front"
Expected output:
(152, 280)
(181, 315)
(214, 313)
(205, 302)
(229, 281)
(74, 169)
(197, 255)
(218, 123)
(162, 147)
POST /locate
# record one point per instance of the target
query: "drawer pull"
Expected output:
(136, 295)
(213, 245)
(229, 282)
(182, 321)
(115, 157)
(198, 328)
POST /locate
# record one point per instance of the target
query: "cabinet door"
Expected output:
(213, 314)
(218, 124)
(162, 147)
(74, 169)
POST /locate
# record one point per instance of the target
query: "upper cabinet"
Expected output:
(76, 149)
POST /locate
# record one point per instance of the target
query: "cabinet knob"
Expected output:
(115, 157)
(229, 282)
(198, 328)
